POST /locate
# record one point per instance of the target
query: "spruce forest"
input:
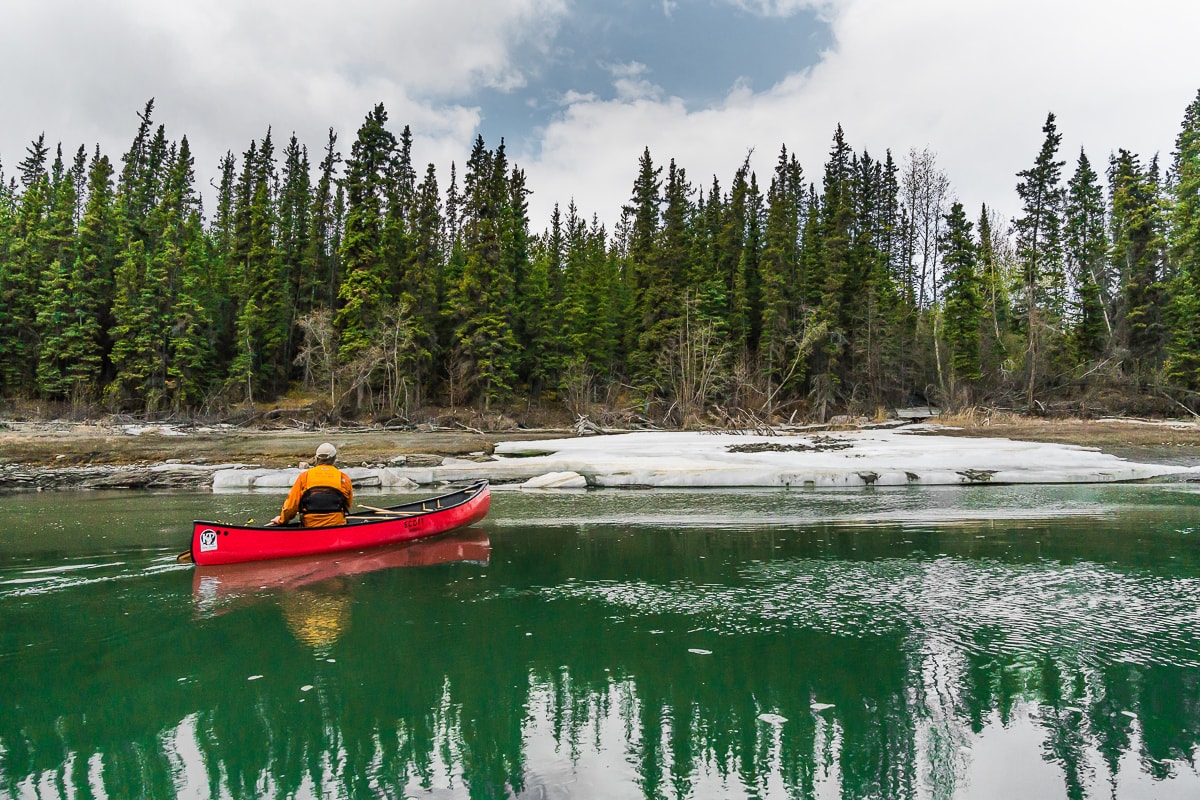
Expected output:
(374, 291)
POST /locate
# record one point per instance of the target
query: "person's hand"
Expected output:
(275, 521)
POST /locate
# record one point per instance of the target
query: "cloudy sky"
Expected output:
(578, 89)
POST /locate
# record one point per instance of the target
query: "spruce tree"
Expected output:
(260, 366)
(21, 275)
(366, 275)
(142, 195)
(191, 361)
(62, 216)
(79, 175)
(452, 274)
(141, 324)
(869, 299)
(555, 252)
(54, 313)
(136, 169)
(561, 248)
(294, 206)
(647, 287)
(672, 280)
(221, 238)
(192, 369)
(1183, 366)
(963, 297)
(1039, 249)
(404, 177)
(222, 226)
(1138, 253)
(837, 268)
(738, 247)
(54, 302)
(422, 289)
(786, 289)
(723, 237)
(709, 278)
(749, 293)
(537, 297)
(33, 166)
(591, 315)
(397, 232)
(483, 357)
(84, 334)
(85, 338)
(1086, 251)
(319, 274)
(888, 312)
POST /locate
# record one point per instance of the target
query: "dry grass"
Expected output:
(1106, 434)
(974, 416)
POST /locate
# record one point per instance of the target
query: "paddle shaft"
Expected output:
(389, 511)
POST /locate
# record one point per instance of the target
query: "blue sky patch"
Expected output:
(696, 50)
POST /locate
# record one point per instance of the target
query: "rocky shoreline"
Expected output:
(90, 456)
(95, 456)
(19, 477)
(172, 474)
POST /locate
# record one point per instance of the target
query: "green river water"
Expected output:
(975, 642)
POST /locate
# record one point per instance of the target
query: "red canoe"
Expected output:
(219, 543)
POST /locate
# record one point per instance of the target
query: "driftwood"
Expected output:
(820, 444)
(978, 475)
(585, 427)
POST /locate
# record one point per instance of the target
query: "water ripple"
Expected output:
(1084, 610)
(17, 580)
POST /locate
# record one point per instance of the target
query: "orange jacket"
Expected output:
(320, 475)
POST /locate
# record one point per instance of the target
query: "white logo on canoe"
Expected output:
(208, 540)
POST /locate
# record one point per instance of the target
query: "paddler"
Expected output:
(321, 495)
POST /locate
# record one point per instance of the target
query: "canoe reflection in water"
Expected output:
(311, 590)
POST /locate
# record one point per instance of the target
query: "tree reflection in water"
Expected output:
(810, 676)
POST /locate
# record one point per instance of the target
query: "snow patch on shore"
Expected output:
(678, 459)
(281, 480)
(556, 480)
(853, 458)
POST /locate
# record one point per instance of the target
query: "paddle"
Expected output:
(389, 511)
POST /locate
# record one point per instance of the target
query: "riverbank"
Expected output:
(99, 444)
(62, 455)
(59, 455)
(1161, 441)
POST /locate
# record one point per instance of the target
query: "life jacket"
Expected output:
(324, 492)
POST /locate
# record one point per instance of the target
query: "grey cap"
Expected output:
(326, 452)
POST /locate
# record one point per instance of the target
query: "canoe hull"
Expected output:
(218, 543)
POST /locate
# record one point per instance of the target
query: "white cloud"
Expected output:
(781, 8)
(223, 71)
(973, 81)
(631, 83)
